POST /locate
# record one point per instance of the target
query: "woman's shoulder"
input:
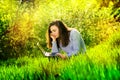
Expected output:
(74, 34)
(73, 31)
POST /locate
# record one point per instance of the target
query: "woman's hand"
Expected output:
(53, 37)
(62, 56)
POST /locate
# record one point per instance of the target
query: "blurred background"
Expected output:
(23, 24)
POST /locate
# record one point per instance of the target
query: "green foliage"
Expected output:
(115, 40)
(17, 28)
(22, 26)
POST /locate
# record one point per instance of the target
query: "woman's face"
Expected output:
(54, 31)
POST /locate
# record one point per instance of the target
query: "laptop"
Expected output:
(46, 54)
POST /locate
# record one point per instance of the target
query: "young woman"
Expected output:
(60, 37)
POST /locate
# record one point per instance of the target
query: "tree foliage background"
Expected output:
(23, 25)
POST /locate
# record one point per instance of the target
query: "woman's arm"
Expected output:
(56, 50)
(54, 47)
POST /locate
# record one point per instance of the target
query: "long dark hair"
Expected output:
(63, 34)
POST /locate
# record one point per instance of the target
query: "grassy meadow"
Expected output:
(24, 24)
